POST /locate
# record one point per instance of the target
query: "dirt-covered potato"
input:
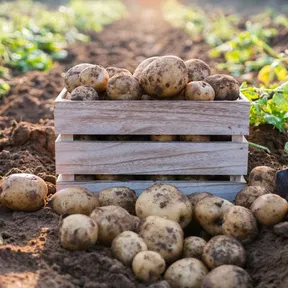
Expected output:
(198, 70)
(126, 245)
(113, 220)
(199, 91)
(226, 87)
(95, 76)
(195, 138)
(163, 138)
(84, 93)
(186, 273)
(164, 77)
(240, 223)
(263, 176)
(78, 232)
(248, 195)
(193, 247)
(148, 266)
(138, 71)
(163, 236)
(118, 196)
(227, 276)
(209, 212)
(194, 198)
(223, 249)
(112, 71)
(72, 79)
(74, 200)
(164, 200)
(23, 192)
(123, 87)
(269, 209)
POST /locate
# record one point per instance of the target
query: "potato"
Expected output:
(112, 71)
(227, 276)
(193, 247)
(78, 232)
(23, 192)
(195, 138)
(163, 138)
(164, 77)
(126, 245)
(199, 91)
(148, 266)
(198, 70)
(146, 97)
(209, 212)
(263, 176)
(72, 79)
(113, 220)
(248, 195)
(166, 201)
(163, 236)
(225, 86)
(223, 249)
(84, 93)
(281, 229)
(95, 76)
(138, 71)
(123, 87)
(240, 223)
(269, 209)
(186, 273)
(74, 200)
(194, 198)
(118, 196)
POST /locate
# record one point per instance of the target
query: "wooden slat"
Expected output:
(152, 158)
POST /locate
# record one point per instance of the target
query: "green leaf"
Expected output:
(266, 74)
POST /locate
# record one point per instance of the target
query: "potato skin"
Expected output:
(198, 70)
(194, 198)
(23, 192)
(195, 138)
(263, 176)
(74, 200)
(199, 91)
(112, 71)
(193, 247)
(138, 71)
(84, 93)
(248, 195)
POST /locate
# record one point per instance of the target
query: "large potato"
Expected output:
(24, 192)
(248, 195)
(199, 91)
(193, 247)
(74, 200)
(198, 70)
(164, 77)
(194, 198)
(138, 71)
(263, 176)
(112, 71)
(166, 201)
(84, 93)
(163, 236)
(186, 273)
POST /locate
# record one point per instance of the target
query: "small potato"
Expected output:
(227, 276)
(240, 223)
(78, 232)
(112, 71)
(193, 247)
(74, 200)
(194, 198)
(248, 195)
(23, 192)
(126, 245)
(226, 87)
(263, 176)
(163, 138)
(166, 201)
(84, 93)
(123, 87)
(148, 266)
(186, 273)
(209, 212)
(163, 236)
(196, 138)
(118, 196)
(138, 71)
(199, 91)
(269, 209)
(95, 76)
(221, 250)
(198, 70)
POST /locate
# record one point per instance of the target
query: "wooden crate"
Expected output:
(147, 157)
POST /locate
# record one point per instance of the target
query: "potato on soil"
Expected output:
(163, 138)
(123, 87)
(23, 192)
(227, 276)
(198, 70)
(95, 76)
(78, 232)
(118, 196)
(112, 71)
(195, 138)
(84, 93)
(186, 273)
(164, 77)
(113, 220)
(226, 87)
(148, 266)
(193, 247)
(240, 223)
(126, 245)
(164, 200)
(248, 195)
(138, 71)
(269, 209)
(209, 212)
(199, 91)
(263, 176)
(194, 198)
(163, 236)
(223, 249)
(74, 200)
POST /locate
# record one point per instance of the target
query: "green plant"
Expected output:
(4, 88)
